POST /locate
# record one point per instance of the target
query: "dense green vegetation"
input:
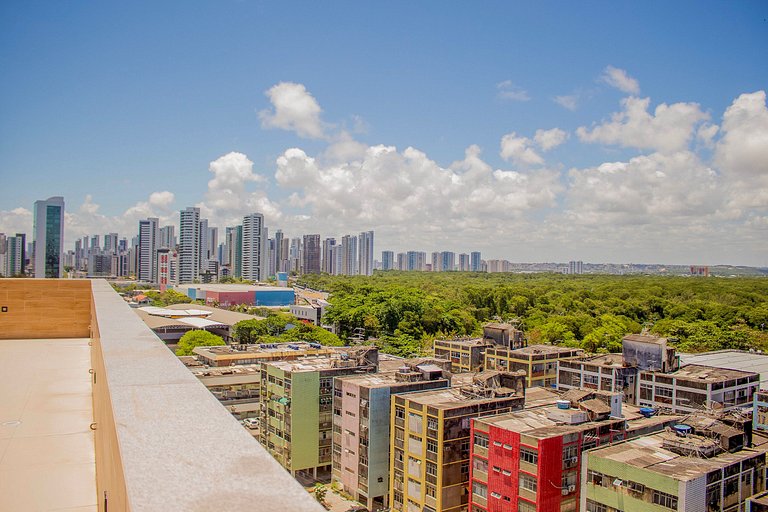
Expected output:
(280, 328)
(197, 338)
(407, 310)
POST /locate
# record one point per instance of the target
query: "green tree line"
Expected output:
(407, 310)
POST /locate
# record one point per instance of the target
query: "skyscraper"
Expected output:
(365, 254)
(280, 254)
(110, 243)
(475, 264)
(49, 237)
(149, 242)
(254, 247)
(464, 264)
(387, 260)
(329, 261)
(189, 245)
(349, 255)
(310, 255)
(234, 236)
(168, 237)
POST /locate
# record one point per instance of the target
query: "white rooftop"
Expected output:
(732, 360)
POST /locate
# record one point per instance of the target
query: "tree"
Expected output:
(319, 492)
(197, 338)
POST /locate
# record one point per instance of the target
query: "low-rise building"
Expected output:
(760, 410)
(430, 442)
(689, 469)
(695, 388)
(312, 312)
(605, 372)
(297, 406)
(468, 354)
(465, 354)
(531, 459)
(361, 425)
(258, 353)
(233, 294)
(170, 323)
(236, 387)
(538, 361)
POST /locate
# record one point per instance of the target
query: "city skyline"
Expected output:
(455, 129)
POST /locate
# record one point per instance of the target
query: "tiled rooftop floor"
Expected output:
(47, 459)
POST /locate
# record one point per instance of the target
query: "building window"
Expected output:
(481, 440)
(431, 446)
(528, 482)
(480, 464)
(479, 489)
(529, 455)
(525, 506)
(664, 392)
(431, 469)
(400, 413)
(593, 506)
(431, 423)
(664, 499)
(431, 491)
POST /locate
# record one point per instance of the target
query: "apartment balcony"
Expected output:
(97, 413)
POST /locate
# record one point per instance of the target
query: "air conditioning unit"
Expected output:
(565, 492)
(571, 488)
(574, 460)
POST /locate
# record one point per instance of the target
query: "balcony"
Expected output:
(113, 419)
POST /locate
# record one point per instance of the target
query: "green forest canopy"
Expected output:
(407, 310)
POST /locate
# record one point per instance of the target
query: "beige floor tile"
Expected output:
(48, 487)
(23, 452)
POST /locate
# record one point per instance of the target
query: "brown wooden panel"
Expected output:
(45, 308)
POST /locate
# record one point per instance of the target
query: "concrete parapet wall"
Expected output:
(163, 440)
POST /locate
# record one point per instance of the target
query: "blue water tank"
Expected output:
(647, 411)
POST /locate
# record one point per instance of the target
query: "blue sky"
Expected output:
(144, 108)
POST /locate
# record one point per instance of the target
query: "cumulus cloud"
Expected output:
(17, 220)
(549, 139)
(519, 150)
(229, 198)
(618, 78)
(569, 101)
(656, 189)
(413, 190)
(507, 90)
(668, 129)
(293, 109)
(742, 152)
(161, 199)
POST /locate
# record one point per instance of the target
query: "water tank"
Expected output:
(682, 430)
(563, 404)
(647, 411)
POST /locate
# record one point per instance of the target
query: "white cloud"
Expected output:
(387, 189)
(228, 198)
(519, 150)
(618, 78)
(507, 90)
(668, 129)
(549, 139)
(656, 189)
(571, 101)
(741, 153)
(706, 134)
(294, 109)
(161, 199)
(17, 220)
